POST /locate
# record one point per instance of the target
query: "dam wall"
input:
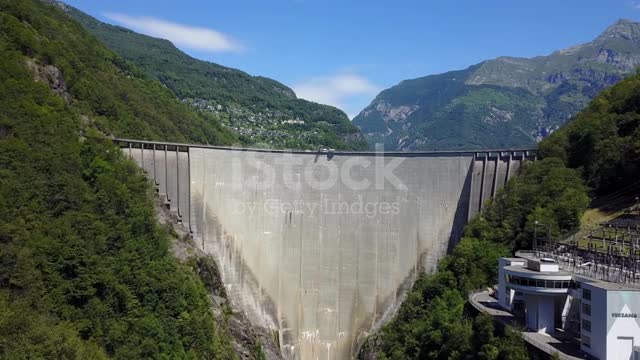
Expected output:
(321, 246)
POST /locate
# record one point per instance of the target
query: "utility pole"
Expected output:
(535, 237)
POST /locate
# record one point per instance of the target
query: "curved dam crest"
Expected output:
(321, 247)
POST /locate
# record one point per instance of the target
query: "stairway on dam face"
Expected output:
(321, 246)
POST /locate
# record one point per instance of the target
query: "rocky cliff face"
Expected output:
(504, 102)
(50, 75)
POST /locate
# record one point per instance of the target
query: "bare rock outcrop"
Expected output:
(52, 76)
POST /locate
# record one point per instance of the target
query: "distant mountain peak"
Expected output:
(623, 28)
(57, 3)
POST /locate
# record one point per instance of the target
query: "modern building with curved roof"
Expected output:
(603, 315)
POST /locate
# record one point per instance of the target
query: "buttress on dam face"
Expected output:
(320, 246)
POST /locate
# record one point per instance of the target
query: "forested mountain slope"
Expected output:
(603, 140)
(257, 109)
(501, 103)
(115, 96)
(85, 271)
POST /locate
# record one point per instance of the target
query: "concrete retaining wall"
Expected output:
(322, 246)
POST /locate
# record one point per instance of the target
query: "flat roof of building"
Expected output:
(607, 285)
(602, 284)
(524, 270)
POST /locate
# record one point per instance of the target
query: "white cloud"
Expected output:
(635, 4)
(339, 90)
(191, 37)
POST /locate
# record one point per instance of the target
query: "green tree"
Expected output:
(603, 140)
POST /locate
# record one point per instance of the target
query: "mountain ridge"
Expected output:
(502, 102)
(259, 110)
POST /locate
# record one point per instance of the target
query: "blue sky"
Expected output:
(344, 52)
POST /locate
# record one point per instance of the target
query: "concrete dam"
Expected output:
(320, 247)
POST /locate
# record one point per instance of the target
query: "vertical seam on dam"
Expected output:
(482, 180)
(189, 183)
(166, 173)
(178, 182)
(506, 178)
(155, 177)
(495, 177)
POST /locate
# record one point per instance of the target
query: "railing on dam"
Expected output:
(321, 246)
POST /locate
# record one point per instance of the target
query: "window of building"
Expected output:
(586, 325)
(586, 341)
(540, 283)
(586, 309)
(586, 294)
